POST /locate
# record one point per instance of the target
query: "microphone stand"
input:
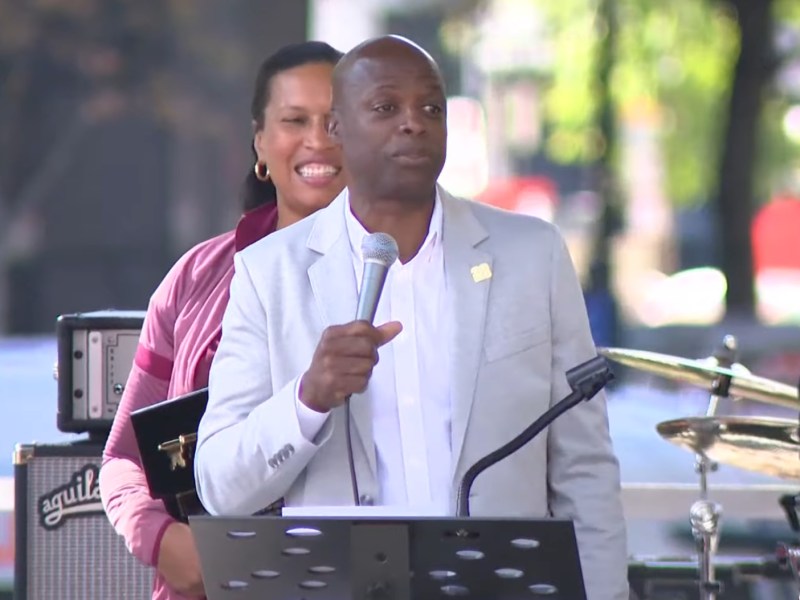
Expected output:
(585, 381)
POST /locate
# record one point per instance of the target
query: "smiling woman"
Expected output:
(297, 171)
(292, 143)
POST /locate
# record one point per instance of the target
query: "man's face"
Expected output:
(391, 122)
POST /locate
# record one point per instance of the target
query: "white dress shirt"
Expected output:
(409, 389)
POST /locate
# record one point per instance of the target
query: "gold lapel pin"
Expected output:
(481, 272)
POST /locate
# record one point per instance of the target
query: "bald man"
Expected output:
(479, 320)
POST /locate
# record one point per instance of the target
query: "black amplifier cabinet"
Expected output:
(65, 546)
(95, 356)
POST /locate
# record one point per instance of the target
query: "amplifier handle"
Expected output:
(21, 521)
(95, 387)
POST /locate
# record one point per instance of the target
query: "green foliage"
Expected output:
(787, 11)
(776, 151)
(569, 103)
(672, 69)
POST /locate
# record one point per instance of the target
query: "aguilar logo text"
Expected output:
(79, 497)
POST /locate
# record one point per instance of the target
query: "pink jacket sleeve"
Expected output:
(140, 519)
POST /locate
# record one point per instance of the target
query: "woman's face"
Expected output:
(303, 162)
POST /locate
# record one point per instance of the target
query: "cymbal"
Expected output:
(704, 372)
(762, 444)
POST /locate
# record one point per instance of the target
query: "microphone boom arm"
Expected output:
(585, 380)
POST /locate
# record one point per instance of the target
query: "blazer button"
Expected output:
(366, 500)
(271, 462)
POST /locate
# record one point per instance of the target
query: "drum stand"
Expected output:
(789, 554)
(704, 515)
(743, 442)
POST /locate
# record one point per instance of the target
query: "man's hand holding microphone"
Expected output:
(346, 354)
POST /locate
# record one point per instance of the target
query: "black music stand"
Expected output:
(396, 558)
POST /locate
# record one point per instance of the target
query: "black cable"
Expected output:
(350, 461)
(518, 442)
(585, 380)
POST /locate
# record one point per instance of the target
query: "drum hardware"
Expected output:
(788, 555)
(790, 503)
(675, 577)
(708, 373)
(724, 357)
(755, 444)
(704, 515)
(764, 445)
(760, 444)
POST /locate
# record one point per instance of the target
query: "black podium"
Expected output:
(397, 558)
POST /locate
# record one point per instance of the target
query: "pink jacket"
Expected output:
(180, 334)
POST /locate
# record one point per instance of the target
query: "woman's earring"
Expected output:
(261, 170)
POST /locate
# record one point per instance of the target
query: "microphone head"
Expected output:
(379, 248)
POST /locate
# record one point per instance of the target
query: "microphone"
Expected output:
(585, 381)
(378, 251)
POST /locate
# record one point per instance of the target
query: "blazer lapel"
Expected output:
(334, 286)
(468, 273)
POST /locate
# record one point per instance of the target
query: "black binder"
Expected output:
(166, 434)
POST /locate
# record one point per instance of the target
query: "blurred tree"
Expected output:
(606, 27)
(705, 67)
(735, 190)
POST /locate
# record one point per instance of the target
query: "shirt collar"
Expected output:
(356, 231)
(256, 224)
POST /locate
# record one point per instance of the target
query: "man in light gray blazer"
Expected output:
(478, 322)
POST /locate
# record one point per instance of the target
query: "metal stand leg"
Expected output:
(724, 356)
(713, 403)
(789, 554)
(704, 517)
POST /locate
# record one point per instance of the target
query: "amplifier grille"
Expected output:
(72, 550)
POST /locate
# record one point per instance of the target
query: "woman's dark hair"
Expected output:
(254, 191)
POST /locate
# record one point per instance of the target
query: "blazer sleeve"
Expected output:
(583, 472)
(250, 447)
(139, 518)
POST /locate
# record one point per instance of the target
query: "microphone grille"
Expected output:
(380, 248)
